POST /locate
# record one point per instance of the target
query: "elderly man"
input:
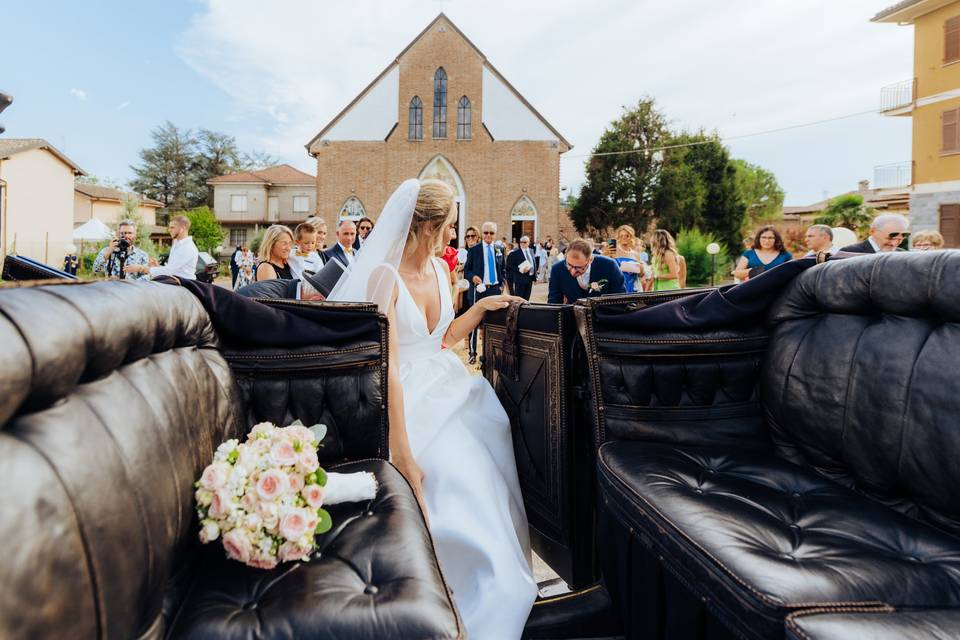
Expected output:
(887, 231)
(819, 237)
(522, 269)
(343, 250)
(582, 274)
(485, 269)
(109, 259)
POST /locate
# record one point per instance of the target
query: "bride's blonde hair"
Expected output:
(433, 213)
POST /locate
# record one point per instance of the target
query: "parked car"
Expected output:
(207, 266)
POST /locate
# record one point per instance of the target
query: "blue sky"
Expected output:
(100, 75)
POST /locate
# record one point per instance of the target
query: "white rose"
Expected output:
(209, 532)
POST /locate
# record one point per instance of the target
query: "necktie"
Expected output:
(491, 266)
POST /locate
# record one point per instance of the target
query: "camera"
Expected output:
(123, 245)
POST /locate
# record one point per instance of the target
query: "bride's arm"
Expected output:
(400, 453)
(461, 327)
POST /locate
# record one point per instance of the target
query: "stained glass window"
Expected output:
(463, 119)
(416, 119)
(440, 104)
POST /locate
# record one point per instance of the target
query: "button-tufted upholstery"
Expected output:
(113, 397)
(854, 502)
(880, 624)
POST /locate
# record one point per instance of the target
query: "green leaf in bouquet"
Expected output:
(325, 522)
(319, 431)
(296, 423)
(321, 477)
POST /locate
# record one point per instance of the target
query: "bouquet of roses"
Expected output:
(264, 498)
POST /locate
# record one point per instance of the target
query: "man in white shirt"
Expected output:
(182, 262)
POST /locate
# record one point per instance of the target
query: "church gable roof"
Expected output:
(394, 67)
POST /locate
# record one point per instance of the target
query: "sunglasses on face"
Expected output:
(489, 233)
(896, 235)
(471, 235)
(365, 228)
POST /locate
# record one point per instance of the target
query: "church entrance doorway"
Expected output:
(439, 168)
(523, 220)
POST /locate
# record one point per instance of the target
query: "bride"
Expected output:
(449, 435)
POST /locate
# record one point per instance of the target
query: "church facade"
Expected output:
(441, 110)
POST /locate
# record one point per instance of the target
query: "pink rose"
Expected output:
(292, 551)
(312, 521)
(268, 562)
(282, 453)
(249, 502)
(293, 525)
(272, 484)
(296, 482)
(307, 461)
(313, 494)
(237, 545)
(219, 505)
(215, 476)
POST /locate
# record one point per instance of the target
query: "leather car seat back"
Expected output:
(860, 379)
(112, 398)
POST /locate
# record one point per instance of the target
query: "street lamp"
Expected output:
(713, 249)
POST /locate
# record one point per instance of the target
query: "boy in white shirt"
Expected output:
(303, 254)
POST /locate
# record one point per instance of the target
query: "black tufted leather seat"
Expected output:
(880, 624)
(113, 397)
(847, 499)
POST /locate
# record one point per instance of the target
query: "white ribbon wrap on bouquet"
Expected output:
(350, 487)
(524, 266)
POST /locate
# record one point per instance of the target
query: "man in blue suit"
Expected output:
(343, 250)
(583, 273)
(485, 269)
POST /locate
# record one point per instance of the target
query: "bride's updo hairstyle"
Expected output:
(433, 213)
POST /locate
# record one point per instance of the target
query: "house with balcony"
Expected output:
(244, 202)
(932, 99)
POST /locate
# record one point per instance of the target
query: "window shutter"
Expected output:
(950, 224)
(950, 125)
(951, 40)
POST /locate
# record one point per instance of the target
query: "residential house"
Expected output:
(932, 100)
(441, 110)
(882, 200)
(36, 199)
(106, 204)
(245, 201)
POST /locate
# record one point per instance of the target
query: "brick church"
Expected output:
(441, 110)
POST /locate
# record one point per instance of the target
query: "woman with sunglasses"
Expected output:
(364, 227)
(465, 296)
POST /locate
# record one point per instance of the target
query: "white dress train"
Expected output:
(460, 437)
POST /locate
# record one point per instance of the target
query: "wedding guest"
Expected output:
(470, 237)
(245, 261)
(275, 254)
(887, 232)
(320, 225)
(521, 269)
(485, 269)
(582, 274)
(182, 261)
(540, 251)
(303, 255)
(450, 252)
(552, 259)
(628, 258)
(71, 263)
(664, 261)
(234, 270)
(819, 237)
(768, 252)
(106, 262)
(364, 227)
(343, 250)
(927, 241)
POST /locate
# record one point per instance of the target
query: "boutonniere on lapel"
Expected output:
(597, 287)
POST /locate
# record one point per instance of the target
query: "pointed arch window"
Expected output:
(415, 129)
(463, 119)
(352, 209)
(440, 104)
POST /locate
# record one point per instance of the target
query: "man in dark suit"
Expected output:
(887, 231)
(485, 269)
(583, 273)
(521, 282)
(234, 267)
(343, 250)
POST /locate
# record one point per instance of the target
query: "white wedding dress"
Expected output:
(460, 437)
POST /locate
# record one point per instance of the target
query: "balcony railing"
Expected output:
(892, 176)
(898, 96)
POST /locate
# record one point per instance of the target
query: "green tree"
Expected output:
(692, 245)
(622, 188)
(216, 155)
(848, 211)
(207, 233)
(167, 171)
(761, 193)
(256, 160)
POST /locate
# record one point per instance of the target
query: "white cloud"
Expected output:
(123, 105)
(78, 93)
(736, 67)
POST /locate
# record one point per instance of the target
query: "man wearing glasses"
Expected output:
(364, 227)
(887, 231)
(583, 273)
(485, 269)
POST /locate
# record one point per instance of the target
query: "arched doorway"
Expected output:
(352, 209)
(439, 168)
(523, 219)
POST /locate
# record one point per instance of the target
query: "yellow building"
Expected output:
(932, 99)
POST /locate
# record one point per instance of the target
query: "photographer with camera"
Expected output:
(121, 253)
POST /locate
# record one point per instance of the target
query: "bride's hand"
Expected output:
(492, 303)
(414, 475)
